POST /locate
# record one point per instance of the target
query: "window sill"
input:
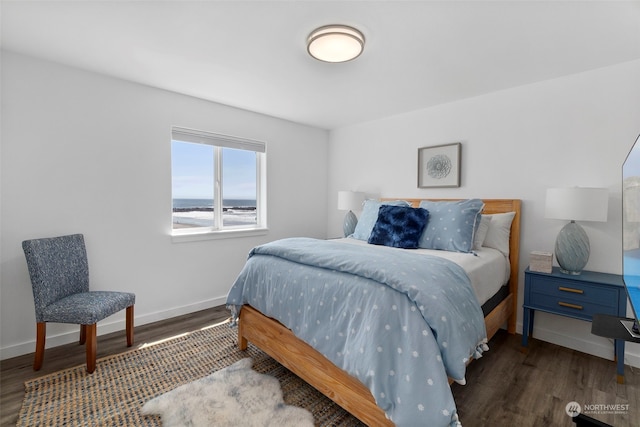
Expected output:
(197, 236)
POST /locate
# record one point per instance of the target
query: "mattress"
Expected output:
(487, 268)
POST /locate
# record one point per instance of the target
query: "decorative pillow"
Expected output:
(399, 226)
(499, 231)
(370, 216)
(481, 231)
(451, 224)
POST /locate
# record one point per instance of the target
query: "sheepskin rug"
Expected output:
(234, 396)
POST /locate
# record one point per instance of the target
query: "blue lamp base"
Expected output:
(349, 226)
(572, 248)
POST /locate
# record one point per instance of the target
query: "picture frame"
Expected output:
(439, 165)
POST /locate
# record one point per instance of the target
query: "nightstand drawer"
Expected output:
(574, 307)
(580, 292)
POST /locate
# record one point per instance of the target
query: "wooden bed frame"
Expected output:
(300, 358)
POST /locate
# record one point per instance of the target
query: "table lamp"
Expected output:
(575, 204)
(348, 201)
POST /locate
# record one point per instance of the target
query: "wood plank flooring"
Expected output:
(15, 371)
(507, 387)
(512, 387)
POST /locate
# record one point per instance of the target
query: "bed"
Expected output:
(307, 358)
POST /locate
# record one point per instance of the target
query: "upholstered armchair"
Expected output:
(59, 273)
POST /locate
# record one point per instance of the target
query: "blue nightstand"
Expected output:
(580, 297)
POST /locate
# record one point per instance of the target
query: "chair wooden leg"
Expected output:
(91, 347)
(41, 333)
(129, 326)
(83, 334)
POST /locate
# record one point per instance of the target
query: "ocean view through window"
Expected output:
(217, 182)
(199, 212)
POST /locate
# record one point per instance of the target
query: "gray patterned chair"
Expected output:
(59, 273)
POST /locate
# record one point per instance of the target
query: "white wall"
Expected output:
(571, 131)
(86, 153)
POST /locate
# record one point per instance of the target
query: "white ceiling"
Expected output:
(252, 54)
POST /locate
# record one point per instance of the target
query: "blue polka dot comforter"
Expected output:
(399, 321)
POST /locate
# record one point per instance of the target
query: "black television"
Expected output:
(631, 234)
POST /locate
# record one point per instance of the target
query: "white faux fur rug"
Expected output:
(233, 396)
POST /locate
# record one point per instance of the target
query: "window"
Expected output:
(217, 182)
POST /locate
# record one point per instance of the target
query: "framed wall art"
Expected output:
(439, 166)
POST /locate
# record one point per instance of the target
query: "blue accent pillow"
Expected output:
(399, 226)
(370, 216)
(451, 225)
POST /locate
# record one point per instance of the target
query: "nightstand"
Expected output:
(580, 296)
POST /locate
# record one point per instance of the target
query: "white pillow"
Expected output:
(481, 232)
(498, 233)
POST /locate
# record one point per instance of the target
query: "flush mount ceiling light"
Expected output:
(335, 43)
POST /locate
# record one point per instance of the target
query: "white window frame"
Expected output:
(220, 141)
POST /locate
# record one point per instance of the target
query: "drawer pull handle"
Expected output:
(575, 291)
(566, 304)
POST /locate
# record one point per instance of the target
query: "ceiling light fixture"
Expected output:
(335, 43)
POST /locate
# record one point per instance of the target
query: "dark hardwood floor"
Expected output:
(512, 387)
(15, 371)
(506, 387)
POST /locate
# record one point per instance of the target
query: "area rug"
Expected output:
(231, 397)
(121, 384)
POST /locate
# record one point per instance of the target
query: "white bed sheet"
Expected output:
(488, 269)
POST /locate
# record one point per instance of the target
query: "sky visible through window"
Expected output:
(193, 172)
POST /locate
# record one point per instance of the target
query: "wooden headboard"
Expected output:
(493, 206)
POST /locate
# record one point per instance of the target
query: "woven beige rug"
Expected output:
(121, 384)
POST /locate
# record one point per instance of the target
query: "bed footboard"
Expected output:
(303, 360)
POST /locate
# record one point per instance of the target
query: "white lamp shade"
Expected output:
(577, 204)
(350, 200)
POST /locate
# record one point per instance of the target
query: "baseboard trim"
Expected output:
(111, 324)
(115, 323)
(590, 347)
